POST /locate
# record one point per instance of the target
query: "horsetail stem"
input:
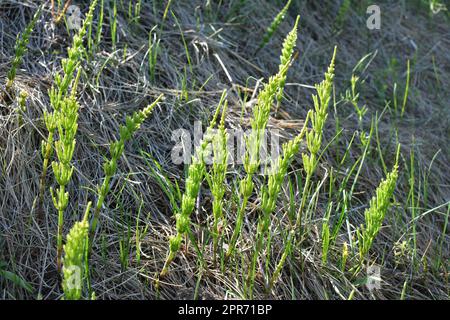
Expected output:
(196, 172)
(314, 137)
(376, 212)
(20, 49)
(216, 178)
(261, 113)
(74, 254)
(132, 124)
(318, 117)
(270, 193)
(58, 95)
(285, 59)
(274, 25)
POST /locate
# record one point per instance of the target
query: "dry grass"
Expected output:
(222, 52)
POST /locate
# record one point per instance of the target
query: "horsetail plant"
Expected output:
(285, 59)
(59, 92)
(20, 49)
(314, 137)
(216, 178)
(376, 212)
(71, 63)
(353, 97)
(261, 113)
(274, 25)
(132, 124)
(251, 158)
(318, 117)
(66, 123)
(329, 235)
(195, 174)
(93, 41)
(269, 195)
(22, 105)
(74, 255)
(342, 14)
(271, 191)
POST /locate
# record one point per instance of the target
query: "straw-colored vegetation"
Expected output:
(88, 118)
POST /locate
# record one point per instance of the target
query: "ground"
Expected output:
(204, 48)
